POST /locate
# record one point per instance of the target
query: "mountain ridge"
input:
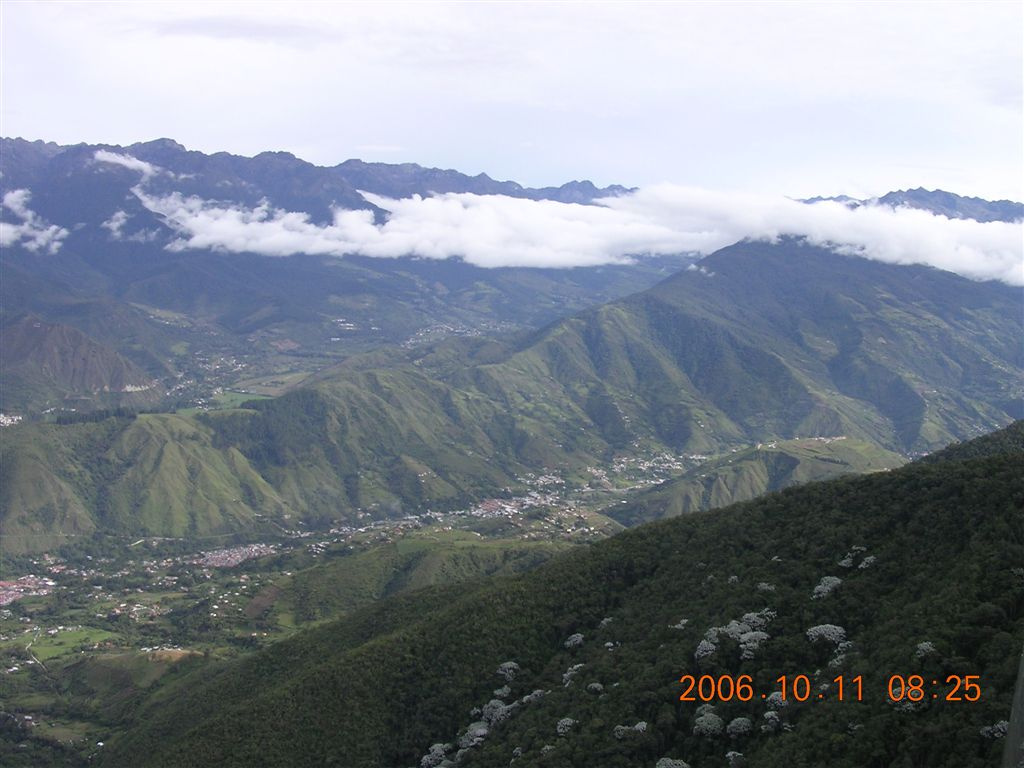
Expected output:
(938, 201)
(344, 179)
(769, 342)
(181, 312)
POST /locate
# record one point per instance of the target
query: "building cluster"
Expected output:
(440, 331)
(228, 558)
(26, 586)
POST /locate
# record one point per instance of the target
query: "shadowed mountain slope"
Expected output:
(202, 319)
(50, 365)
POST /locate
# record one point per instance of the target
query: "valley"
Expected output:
(786, 341)
(511, 385)
(609, 614)
(233, 484)
(110, 617)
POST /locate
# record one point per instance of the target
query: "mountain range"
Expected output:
(810, 462)
(940, 202)
(406, 384)
(194, 322)
(764, 342)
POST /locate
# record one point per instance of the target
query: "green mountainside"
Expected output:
(196, 322)
(1010, 440)
(67, 294)
(916, 571)
(762, 343)
(155, 474)
(698, 364)
(82, 659)
(752, 472)
(343, 585)
(48, 365)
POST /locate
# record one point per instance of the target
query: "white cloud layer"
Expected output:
(497, 231)
(708, 220)
(127, 161)
(33, 233)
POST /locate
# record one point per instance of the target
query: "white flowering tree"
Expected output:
(831, 633)
(825, 587)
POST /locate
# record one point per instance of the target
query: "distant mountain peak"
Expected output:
(937, 201)
(277, 153)
(955, 206)
(159, 144)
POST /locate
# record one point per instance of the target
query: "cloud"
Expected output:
(132, 163)
(499, 231)
(115, 223)
(486, 230)
(708, 220)
(33, 233)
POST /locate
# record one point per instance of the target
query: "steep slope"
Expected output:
(1009, 440)
(49, 365)
(763, 343)
(750, 473)
(778, 342)
(914, 347)
(349, 583)
(156, 474)
(132, 332)
(925, 561)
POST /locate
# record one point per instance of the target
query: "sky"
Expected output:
(773, 98)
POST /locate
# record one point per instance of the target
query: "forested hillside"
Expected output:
(912, 572)
(749, 473)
